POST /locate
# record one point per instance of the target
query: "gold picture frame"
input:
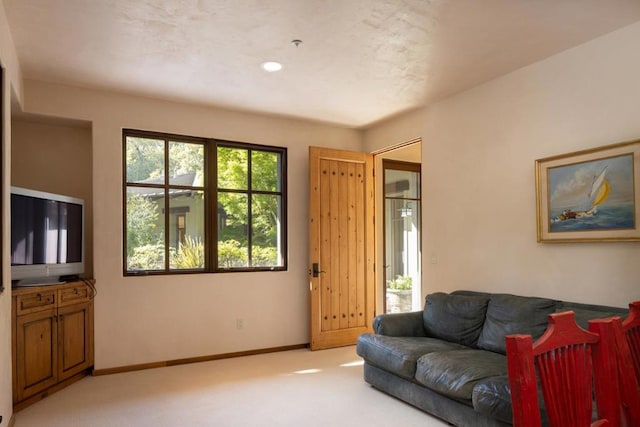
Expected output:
(590, 196)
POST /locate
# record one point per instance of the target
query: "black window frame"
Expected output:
(210, 189)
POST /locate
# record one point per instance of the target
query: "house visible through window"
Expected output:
(202, 205)
(181, 223)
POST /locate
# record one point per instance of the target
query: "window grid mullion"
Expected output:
(166, 206)
(249, 211)
(213, 190)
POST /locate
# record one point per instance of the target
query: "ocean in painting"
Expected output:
(608, 217)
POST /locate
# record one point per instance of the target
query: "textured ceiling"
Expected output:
(361, 61)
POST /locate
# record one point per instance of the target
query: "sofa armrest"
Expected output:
(400, 324)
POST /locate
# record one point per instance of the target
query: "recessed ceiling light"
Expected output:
(271, 66)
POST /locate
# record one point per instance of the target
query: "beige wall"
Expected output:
(148, 319)
(478, 155)
(12, 84)
(55, 158)
(9, 57)
(5, 297)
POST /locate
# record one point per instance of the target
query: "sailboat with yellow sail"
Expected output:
(598, 194)
(600, 190)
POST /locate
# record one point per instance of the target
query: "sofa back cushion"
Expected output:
(583, 316)
(455, 318)
(511, 314)
(586, 312)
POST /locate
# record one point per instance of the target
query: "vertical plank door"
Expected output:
(342, 249)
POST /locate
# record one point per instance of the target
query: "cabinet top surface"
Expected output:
(44, 288)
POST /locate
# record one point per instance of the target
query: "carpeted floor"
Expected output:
(293, 388)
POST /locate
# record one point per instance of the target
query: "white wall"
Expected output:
(479, 149)
(12, 83)
(148, 319)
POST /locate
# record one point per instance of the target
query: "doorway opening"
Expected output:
(401, 236)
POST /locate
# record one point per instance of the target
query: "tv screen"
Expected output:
(46, 235)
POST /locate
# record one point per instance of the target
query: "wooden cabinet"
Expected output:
(75, 349)
(52, 336)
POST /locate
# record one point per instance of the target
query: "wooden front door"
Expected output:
(342, 250)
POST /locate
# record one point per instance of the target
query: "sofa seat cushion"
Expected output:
(492, 397)
(512, 314)
(399, 355)
(455, 318)
(455, 373)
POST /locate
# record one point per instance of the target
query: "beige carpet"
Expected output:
(293, 388)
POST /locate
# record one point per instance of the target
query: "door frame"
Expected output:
(410, 150)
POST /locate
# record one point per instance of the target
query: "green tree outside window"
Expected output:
(249, 207)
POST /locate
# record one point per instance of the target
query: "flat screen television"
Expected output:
(47, 237)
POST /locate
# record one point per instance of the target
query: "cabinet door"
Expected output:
(74, 343)
(36, 352)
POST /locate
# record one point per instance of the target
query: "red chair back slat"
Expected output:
(563, 359)
(573, 361)
(616, 347)
(522, 380)
(631, 328)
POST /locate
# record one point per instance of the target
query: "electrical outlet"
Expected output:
(239, 324)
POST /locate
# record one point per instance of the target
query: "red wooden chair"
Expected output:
(616, 351)
(562, 357)
(631, 328)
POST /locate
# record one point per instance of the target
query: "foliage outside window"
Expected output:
(400, 283)
(173, 183)
(249, 207)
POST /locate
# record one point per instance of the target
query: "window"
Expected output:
(401, 222)
(249, 196)
(202, 205)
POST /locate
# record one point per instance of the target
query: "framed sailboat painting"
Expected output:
(590, 196)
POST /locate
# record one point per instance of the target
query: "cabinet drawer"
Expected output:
(39, 301)
(73, 295)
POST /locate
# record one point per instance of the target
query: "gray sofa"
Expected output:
(449, 359)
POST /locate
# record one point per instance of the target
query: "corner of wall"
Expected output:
(11, 84)
(5, 297)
